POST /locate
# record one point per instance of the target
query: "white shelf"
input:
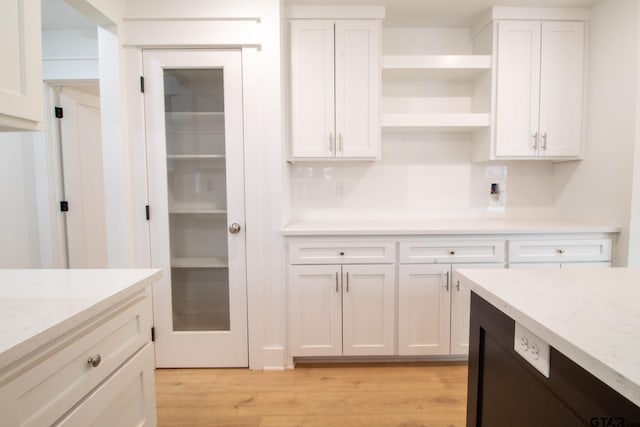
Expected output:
(193, 114)
(435, 66)
(195, 156)
(199, 262)
(435, 122)
(197, 211)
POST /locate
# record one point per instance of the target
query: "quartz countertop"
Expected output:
(37, 306)
(592, 316)
(441, 226)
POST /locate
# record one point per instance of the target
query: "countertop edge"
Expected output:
(12, 355)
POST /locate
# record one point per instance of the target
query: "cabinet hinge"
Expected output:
(147, 212)
(59, 112)
(64, 206)
(142, 84)
(153, 334)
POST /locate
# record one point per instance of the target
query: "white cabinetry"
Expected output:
(539, 89)
(102, 372)
(433, 316)
(21, 103)
(558, 252)
(335, 88)
(341, 309)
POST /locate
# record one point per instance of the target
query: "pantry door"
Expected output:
(193, 120)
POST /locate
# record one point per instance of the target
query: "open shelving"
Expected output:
(435, 66)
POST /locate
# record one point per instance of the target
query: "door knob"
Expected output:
(234, 228)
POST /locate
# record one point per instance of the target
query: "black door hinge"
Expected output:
(142, 84)
(64, 206)
(153, 334)
(59, 112)
(147, 212)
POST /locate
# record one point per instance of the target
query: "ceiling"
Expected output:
(442, 13)
(58, 15)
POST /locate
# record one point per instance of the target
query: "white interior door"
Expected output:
(83, 178)
(193, 117)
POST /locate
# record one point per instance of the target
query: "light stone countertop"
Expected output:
(592, 316)
(338, 227)
(37, 306)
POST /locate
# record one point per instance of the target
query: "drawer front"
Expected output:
(585, 250)
(127, 398)
(342, 253)
(451, 251)
(61, 378)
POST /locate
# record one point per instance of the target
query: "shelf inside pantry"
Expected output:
(195, 156)
(199, 262)
(181, 210)
(445, 67)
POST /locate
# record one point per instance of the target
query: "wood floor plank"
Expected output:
(426, 394)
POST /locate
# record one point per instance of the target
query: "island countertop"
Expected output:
(591, 316)
(37, 306)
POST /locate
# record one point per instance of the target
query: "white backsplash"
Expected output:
(419, 176)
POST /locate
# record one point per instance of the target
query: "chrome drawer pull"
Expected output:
(94, 361)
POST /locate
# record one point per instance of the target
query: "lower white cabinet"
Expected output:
(560, 253)
(99, 374)
(337, 310)
(433, 309)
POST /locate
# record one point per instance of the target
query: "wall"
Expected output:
(634, 229)
(69, 54)
(19, 245)
(598, 188)
(420, 175)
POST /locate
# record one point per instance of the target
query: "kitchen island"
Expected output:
(554, 347)
(75, 347)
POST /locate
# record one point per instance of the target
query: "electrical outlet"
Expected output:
(339, 190)
(532, 348)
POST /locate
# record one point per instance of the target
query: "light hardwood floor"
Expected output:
(408, 395)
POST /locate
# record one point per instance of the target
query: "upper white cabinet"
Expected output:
(335, 89)
(21, 102)
(539, 89)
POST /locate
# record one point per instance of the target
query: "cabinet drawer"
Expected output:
(585, 250)
(451, 251)
(125, 399)
(342, 253)
(52, 384)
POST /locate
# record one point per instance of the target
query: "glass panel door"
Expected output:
(196, 177)
(193, 108)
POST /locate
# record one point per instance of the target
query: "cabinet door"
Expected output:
(561, 88)
(21, 102)
(357, 71)
(460, 309)
(315, 310)
(368, 306)
(518, 88)
(423, 309)
(312, 88)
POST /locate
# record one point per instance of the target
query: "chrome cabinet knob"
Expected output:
(234, 228)
(94, 361)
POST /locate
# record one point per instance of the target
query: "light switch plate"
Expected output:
(532, 348)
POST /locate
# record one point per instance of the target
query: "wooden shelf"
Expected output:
(435, 66)
(435, 122)
(199, 262)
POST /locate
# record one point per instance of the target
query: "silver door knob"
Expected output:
(234, 228)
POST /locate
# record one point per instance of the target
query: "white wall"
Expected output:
(69, 54)
(598, 188)
(19, 245)
(634, 229)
